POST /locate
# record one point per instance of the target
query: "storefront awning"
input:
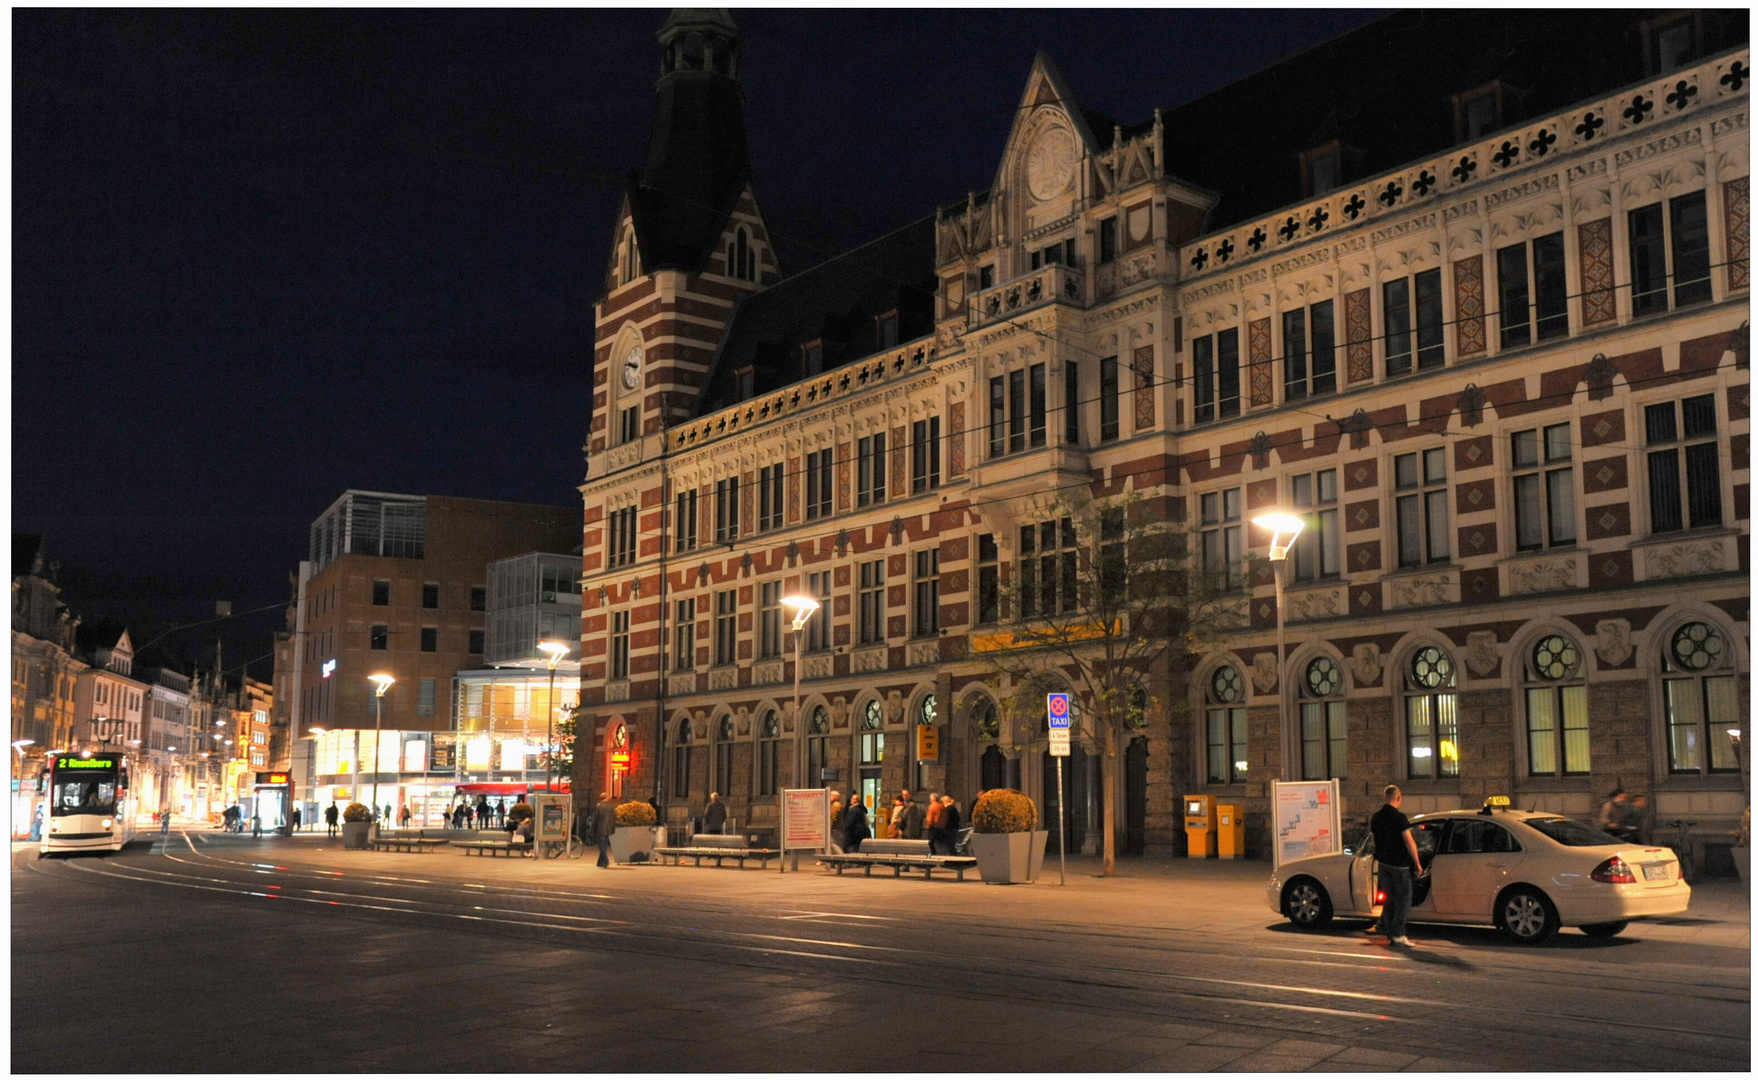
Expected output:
(493, 789)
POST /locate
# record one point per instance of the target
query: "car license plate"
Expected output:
(1654, 871)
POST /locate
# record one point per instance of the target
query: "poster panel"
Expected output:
(805, 818)
(1308, 819)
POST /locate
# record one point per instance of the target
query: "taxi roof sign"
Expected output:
(1496, 802)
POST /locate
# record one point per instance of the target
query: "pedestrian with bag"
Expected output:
(604, 822)
(1394, 848)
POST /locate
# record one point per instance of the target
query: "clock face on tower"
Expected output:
(632, 367)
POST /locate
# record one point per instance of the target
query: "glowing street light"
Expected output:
(554, 650)
(803, 608)
(1284, 528)
(380, 683)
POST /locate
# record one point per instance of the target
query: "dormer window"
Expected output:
(628, 257)
(812, 358)
(888, 330)
(741, 259)
(1672, 43)
(1477, 112)
(1321, 169)
(747, 377)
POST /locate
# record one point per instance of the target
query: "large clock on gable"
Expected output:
(1050, 163)
(632, 367)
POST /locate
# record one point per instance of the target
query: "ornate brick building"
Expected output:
(1495, 356)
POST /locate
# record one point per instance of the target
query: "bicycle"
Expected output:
(1682, 849)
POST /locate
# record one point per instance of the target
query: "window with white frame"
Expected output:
(1017, 411)
(871, 599)
(726, 627)
(1701, 688)
(1109, 426)
(619, 644)
(818, 629)
(1309, 351)
(726, 510)
(1431, 716)
(870, 469)
(1544, 487)
(1679, 227)
(1225, 723)
(769, 619)
(684, 636)
(1420, 480)
(1413, 323)
(620, 536)
(685, 522)
(1532, 281)
(1324, 733)
(927, 590)
(925, 455)
(1222, 535)
(1214, 367)
(1318, 552)
(1684, 465)
(820, 473)
(769, 497)
(1556, 709)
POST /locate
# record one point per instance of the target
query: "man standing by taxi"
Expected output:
(1394, 849)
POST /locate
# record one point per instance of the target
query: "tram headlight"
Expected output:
(108, 823)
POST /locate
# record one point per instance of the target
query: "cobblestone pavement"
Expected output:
(364, 961)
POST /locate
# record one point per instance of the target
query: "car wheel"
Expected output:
(1307, 904)
(1527, 915)
(1604, 929)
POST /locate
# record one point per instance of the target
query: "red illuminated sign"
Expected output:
(274, 778)
(619, 760)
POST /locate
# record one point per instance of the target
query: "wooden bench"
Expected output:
(718, 848)
(493, 847)
(900, 855)
(405, 841)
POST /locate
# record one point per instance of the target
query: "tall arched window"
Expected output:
(1226, 726)
(1324, 748)
(723, 757)
(1431, 715)
(680, 761)
(1556, 709)
(1702, 700)
(872, 752)
(743, 262)
(619, 744)
(768, 754)
(817, 740)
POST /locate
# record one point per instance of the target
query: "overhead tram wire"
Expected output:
(1245, 366)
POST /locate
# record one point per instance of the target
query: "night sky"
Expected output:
(260, 257)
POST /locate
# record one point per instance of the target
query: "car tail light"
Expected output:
(1614, 871)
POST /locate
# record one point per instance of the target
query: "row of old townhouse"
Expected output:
(1497, 362)
(198, 738)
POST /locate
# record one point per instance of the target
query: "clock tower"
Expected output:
(689, 243)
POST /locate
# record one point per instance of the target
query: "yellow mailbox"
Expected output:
(1199, 825)
(1230, 831)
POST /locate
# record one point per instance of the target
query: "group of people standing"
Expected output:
(1625, 816)
(938, 821)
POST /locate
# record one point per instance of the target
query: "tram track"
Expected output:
(975, 966)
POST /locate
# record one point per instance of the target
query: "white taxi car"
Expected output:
(1526, 873)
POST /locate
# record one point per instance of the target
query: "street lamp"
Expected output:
(555, 650)
(380, 683)
(1284, 529)
(803, 608)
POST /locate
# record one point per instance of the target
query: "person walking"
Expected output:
(854, 824)
(838, 839)
(404, 816)
(714, 818)
(935, 834)
(296, 817)
(950, 822)
(604, 822)
(1394, 848)
(255, 823)
(330, 815)
(500, 812)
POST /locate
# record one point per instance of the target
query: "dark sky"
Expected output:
(260, 257)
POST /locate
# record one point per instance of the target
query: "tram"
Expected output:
(90, 805)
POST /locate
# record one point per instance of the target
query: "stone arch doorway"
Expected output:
(1082, 777)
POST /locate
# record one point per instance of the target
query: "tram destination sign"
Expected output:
(85, 763)
(1056, 709)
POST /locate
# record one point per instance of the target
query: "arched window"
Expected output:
(927, 715)
(768, 753)
(628, 257)
(1324, 748)
(1702, 700)
(1556, 709)
(1226, 726)
(743, 261)
(680, 758)
(723, 758)
(985, 720)
(1431, 715)
(817, 741)
(872, 752)
(619, 743)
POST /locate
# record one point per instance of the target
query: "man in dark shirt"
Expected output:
(1395, 849)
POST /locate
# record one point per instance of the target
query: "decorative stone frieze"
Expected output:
(768, 673)
(616, 691)
(1542, 575)
(1420, 590)
(1685, 559)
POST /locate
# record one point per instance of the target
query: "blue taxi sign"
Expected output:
(1057, 707)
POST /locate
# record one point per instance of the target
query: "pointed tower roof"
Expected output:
(697, 158)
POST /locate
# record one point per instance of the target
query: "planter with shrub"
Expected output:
(634, 835)
(1006, 839)
(356, 826)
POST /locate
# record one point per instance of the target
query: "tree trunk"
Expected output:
(1110, 784)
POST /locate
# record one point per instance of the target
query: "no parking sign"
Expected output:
(1056, 707)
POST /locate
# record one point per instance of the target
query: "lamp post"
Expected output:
(554, 650)
(380, 683)
(1284, 529)
(803, 607)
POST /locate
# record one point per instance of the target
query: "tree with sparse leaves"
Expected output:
(560, 761)
(1104, 596)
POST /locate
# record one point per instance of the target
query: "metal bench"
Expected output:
(899, 855)
(717, 848)
(493, 847)
(406, 843)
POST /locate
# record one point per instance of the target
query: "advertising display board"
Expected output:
(805, 821)
(1308, 819)
(555, 814)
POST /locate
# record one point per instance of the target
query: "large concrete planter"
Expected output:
(1743, 863)
(629, 839)
(355, 833)
(1009, 858)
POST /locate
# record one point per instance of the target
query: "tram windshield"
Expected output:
(85, 794)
